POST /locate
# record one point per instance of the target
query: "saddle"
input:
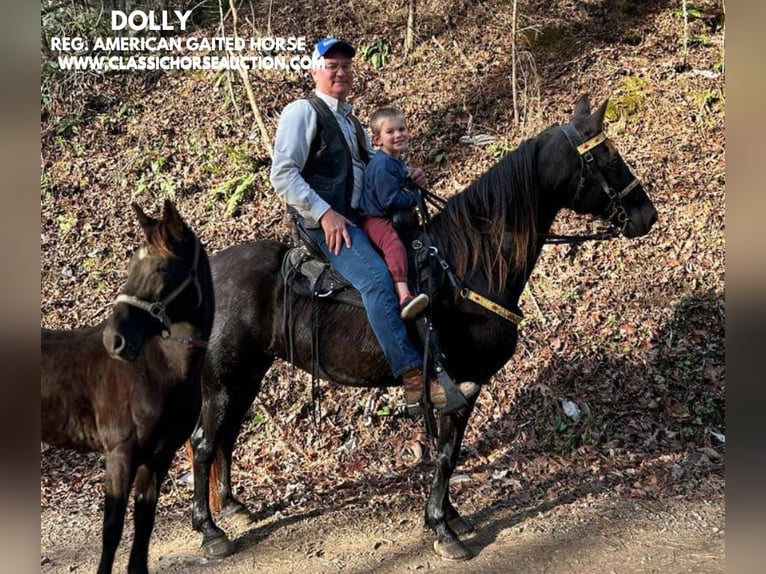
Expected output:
(307, 272)
(308, 275)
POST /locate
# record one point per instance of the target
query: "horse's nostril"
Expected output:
(118, 343)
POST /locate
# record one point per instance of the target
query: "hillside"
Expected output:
(631, 331)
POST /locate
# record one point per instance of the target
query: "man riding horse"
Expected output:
(320, 153)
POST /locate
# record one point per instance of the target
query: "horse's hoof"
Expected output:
(452, 550)
(218, 547)
(460, 526)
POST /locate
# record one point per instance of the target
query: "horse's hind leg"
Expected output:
(120, 470)
(149, 478)
(441, 516)
(240, 400)
(204, 441)
(227, 395)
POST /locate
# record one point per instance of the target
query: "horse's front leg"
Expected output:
(440, 514)
(120, 470)
(149, 478)
(456, 522)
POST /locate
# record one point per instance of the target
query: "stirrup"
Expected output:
(467, 389)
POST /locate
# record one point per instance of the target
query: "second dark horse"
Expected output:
(129, 388)
(491, 235)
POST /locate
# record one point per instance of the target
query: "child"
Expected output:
(384, 193)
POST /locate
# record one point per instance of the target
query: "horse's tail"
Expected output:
(214, 493)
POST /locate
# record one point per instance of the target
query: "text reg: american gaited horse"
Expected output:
(490, 235)
(130, 387)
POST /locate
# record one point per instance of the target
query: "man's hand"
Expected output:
(335, 232)
(418, 176)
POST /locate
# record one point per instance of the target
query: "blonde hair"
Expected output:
(382, 114)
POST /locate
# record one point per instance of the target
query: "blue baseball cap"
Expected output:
(324, 46)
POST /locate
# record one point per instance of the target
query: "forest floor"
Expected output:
(632, 332)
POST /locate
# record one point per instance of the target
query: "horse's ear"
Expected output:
(598, 116)
(172, 220)
(147, 223)
(582, 107)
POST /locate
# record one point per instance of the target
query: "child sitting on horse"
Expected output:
(385, 193)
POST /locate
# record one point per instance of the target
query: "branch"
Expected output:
(265, 140)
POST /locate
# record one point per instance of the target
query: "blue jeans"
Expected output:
(365, 269)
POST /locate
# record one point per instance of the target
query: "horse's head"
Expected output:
(163, 286)
(605, 185)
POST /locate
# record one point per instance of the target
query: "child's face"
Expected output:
(393, 137)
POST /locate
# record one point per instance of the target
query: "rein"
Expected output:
(158, 309)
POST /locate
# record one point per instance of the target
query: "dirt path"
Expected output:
(610, 535)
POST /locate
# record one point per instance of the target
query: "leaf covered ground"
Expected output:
(632, 332)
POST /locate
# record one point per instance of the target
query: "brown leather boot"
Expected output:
(413, 389)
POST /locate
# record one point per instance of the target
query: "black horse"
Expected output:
(130, 387)
(490, 235)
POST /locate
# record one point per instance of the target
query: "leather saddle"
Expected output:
(309, 276)
(307, 272)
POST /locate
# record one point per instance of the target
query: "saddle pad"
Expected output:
(309, 277)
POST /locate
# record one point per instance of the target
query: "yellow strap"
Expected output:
(494, 307)
(591, 143)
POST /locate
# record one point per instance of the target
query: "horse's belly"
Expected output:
(59, 427)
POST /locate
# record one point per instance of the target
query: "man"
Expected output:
(320, 152)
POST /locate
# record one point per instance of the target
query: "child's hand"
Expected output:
(418, 176)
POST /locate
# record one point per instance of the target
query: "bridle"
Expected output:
(158, 309)
(615, 208)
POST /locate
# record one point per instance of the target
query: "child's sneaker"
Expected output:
(412, 306)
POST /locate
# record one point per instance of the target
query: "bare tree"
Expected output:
(409, 37)
(258, 118)
(514, 88)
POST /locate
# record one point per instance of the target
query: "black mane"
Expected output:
(491, 225)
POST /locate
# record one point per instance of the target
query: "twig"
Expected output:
(409, 37)
(282, 432)
(513, 67)
(543, 320)
(435, 41)
(100, 310)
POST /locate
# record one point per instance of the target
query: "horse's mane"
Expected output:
(496, 214)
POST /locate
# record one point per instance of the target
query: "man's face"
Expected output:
(337, 76)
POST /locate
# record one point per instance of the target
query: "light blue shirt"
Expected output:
(292, 144)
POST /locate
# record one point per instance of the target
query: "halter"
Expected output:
(615, 207)
(158, 309)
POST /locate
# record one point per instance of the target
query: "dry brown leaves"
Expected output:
(630, 332)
